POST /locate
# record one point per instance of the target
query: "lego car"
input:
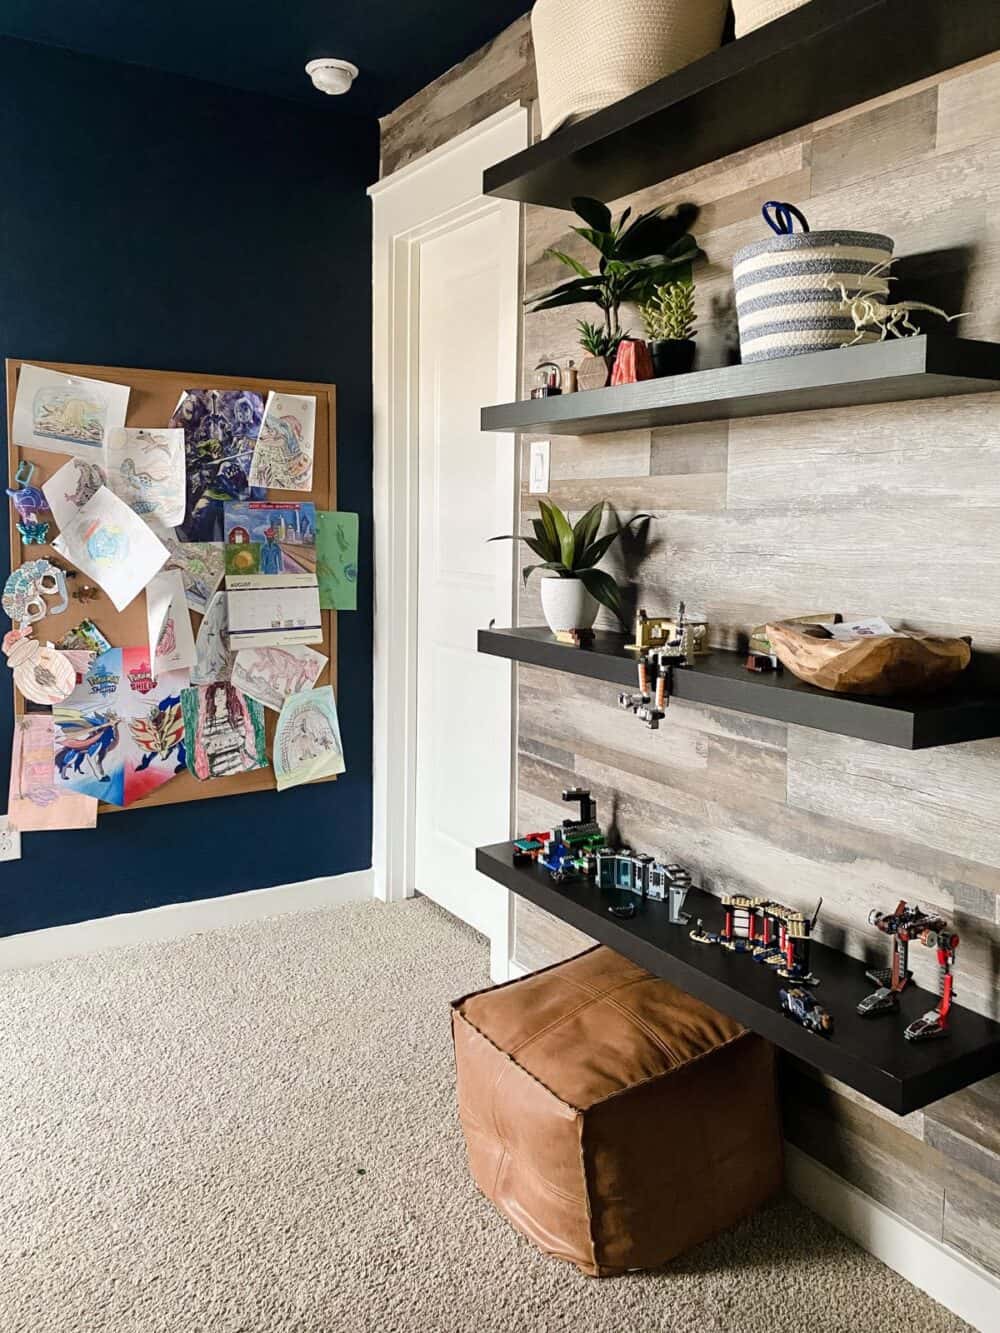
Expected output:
(800, 1006)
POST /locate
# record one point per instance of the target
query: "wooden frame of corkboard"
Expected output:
(152, 399)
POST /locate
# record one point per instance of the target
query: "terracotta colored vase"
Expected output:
(633, 363)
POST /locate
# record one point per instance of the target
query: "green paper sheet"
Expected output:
(337, 560)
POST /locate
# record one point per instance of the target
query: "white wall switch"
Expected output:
(538, 467)
(10, 841)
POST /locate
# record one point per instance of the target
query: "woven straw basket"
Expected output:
(753, 14)
(782, 304)
(590, 53)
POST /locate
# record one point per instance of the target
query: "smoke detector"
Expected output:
(332, 76)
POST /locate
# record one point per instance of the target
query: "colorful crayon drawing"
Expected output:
(120, 734)
(202, 565)
(307, 745)
(337, 560)
(69, 489)
(284, 529)
(224, 731)
(270, 675)
(220, 431)
(213, 660)
(283, 458)
(36, 802)
(146, 470)
(65, 414)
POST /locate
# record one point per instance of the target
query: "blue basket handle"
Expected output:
(785, 217)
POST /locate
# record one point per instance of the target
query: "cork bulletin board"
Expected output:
(152, 399)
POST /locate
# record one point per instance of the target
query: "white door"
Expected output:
(467, 343)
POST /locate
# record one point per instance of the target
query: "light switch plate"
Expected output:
(10, 841)
(538, 467)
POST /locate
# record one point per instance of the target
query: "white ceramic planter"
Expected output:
(567, 604)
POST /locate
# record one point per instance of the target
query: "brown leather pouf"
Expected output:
(613, 1119)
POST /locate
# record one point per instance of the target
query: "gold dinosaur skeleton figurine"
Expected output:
(868, 313)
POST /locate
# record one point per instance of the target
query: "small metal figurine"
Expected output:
(30, 503)
(86, 592)
(800, 1006)
(908, 924)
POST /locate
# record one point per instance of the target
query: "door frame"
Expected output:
(423, 199)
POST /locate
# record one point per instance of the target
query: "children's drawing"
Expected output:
(285, 530)
(66, 414)
(120, 735)
(36, 801)
(168, 623)
(337, 560)
(41, 673)
(69, 488)
(307, 744)
(146, 469)
(213, 660)
(224, 731)
(283, 458)
(28, 589)
(113, 546)
(220, 431)
(270, 675)
(202, 566)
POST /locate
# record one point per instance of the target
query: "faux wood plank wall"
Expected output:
(894, 510)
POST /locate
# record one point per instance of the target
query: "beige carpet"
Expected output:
(254, 1131)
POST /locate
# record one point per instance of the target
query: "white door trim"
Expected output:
(409, 206)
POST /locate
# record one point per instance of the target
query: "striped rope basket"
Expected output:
(783, 303)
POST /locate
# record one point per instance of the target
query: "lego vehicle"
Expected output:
(558, 859)
(800, 1005)
(908, 925)
(529, 848)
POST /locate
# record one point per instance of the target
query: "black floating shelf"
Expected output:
(969, 710)
(822, 58)
(869, 1055)
(927, 366)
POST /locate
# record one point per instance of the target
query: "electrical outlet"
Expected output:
(10, 841)
(538, 467)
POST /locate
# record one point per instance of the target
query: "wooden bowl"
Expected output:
(882, 665)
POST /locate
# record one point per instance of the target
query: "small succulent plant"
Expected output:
(669, 313)
(596, 340)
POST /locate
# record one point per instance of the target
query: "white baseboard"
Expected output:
(178, 919)
(949, 1277)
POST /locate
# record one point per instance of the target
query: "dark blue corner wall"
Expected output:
(149, 220)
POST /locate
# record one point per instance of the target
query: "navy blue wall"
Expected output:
(150, 220)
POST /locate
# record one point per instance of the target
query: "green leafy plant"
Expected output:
(635, 258)
(573, 550)
(669, 313)
(596, 340)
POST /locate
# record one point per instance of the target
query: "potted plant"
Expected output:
(601, 347)
(635, 257)
(570, 553)
(669, 319)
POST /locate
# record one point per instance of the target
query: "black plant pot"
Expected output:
(672, 356)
